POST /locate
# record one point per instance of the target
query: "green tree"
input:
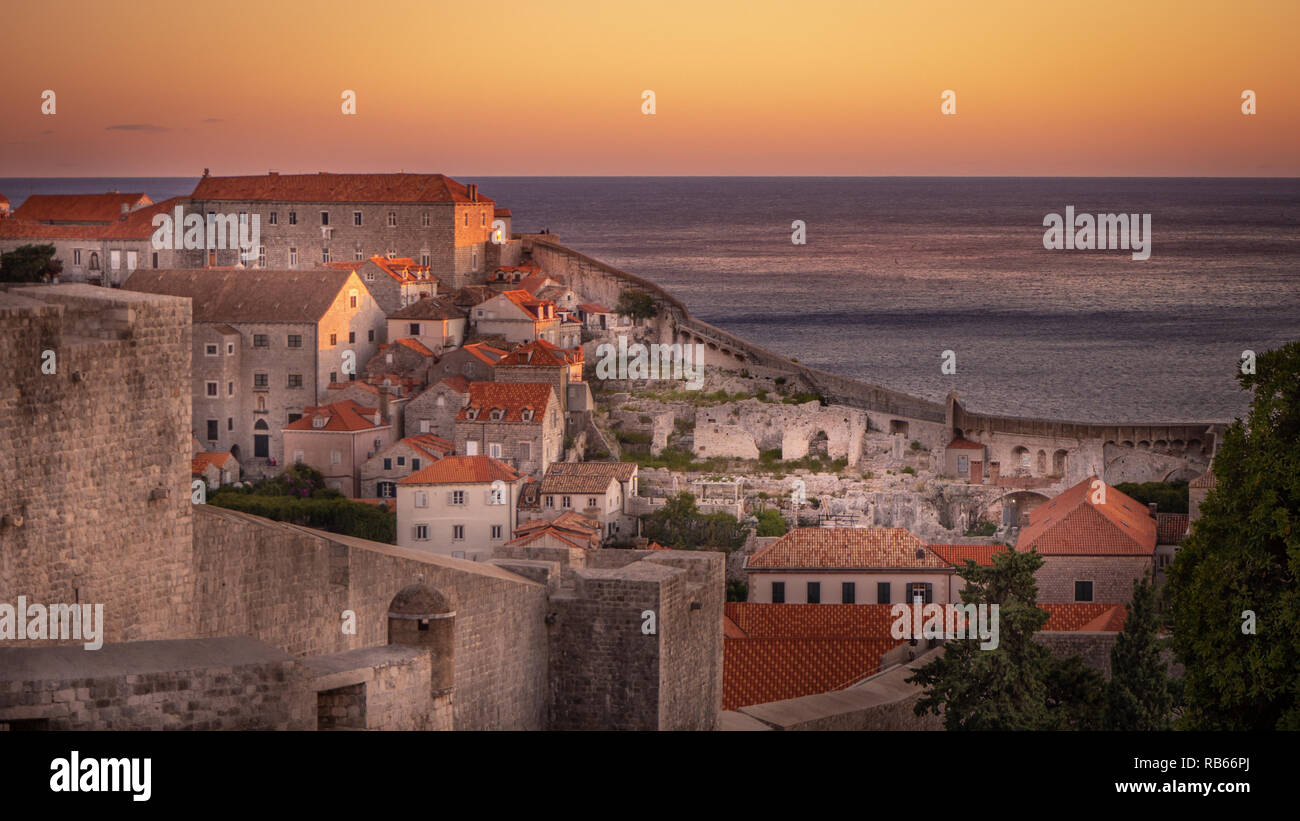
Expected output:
(1244, 555)
(679, 524)
(1137, 696)
(1170, 497)
(771, 523)
(1018, 685)
(29, 263)
(636, 304)
(737, 590)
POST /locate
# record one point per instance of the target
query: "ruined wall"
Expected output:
(83, 450)
(742, 429)
(289, 586)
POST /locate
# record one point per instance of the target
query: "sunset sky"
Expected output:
(742, 88)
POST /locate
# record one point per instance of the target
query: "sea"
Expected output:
(897, 271)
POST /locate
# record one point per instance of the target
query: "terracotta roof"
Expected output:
(761, 670)
(847, 547)
(429, 308)
(471, 295)
(594, 308)
(462, 470)
(1205, 480)
(1171, 527)
(100, 208)
(542, 354)
(485, 352)
(811, 621)
(135, 225)
(1092, 617)
(24, 229)
(528, 303)
(343, 188)
(342, 416)
(457, 383)
(415, 345)
(585, 477)
(981, 554)
(247, 295)
(964, 444)
(511, 397)
(433, 446)
(402, 269)
(1072, 525)
(572, 528)
(201, 461)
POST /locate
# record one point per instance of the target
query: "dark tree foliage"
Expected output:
(737, 590)
(679, 524)
(1170, 497)
(1019, 685)
(1244, 555)
(1138, 695)
(298, 495)
(636, 304)
(29, 263)
(771, 523)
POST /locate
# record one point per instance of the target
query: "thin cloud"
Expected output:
(137, 127)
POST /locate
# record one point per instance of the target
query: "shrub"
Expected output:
(771, 523)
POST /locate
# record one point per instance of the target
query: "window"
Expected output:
(424, 426)
(76, 256)
(325, 254)
(388, 463)
(471, 447)
(293, 257)
(458, 532)
(550, 501)
(392, 219)
(352, 299)
(155, 259)
(334, 376)
(387, 490)
(814, 592)
(401, 461)
(297, 456)
(260, 380)
(424, 258)
(230, 423)
(295, 340)
(261, 341)
(294, 417)
(352, 337)
(591, 501)
(482, 220)
(293, 217)
(922, 590)
(324, 217)
(213, 389)
(496, 531)
(261, 256)
(424, 219)
(371, 335)
(273, 218)
(295, 380)
(494, 450)
(336, 457)
(359, 255)
(356, 220)
(415, 463)
(334, 339)
(848, 593)
(1083, 591)
(566, 501)
(778, 592)
(525, 451)
(230, 388)
(466, 219)
(214, 427)
(474, 259)
(115, 258)
(230, 349)
(414, 329)
(421, 499)
(211, 350)
(458, 497)
(421, 533)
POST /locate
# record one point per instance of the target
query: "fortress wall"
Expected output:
(288, 586)
(83, 449)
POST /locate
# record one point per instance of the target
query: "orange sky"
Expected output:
(554, 88)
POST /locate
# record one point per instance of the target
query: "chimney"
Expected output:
(383, 403)
(205, 172)
(473, 192)
(1151, 506)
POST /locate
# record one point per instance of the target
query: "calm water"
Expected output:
(897, 270)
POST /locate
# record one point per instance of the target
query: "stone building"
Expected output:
(215, 469)
(518, 423)
(337, 439)
(434, 321)
(541, 361)
(406, 358)
(312, 219)
(221, 620)
(267, 345)
(476, 362)
(381, 472)
(394, 283)
(1094, 541)
(434, 410)
(459, 506)
(600, 491)
(518, 316)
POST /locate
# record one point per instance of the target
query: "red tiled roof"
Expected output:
(1205, 480)
(1072, 525)
(457, 383)
(324, 187)
(343, 416)
(433, 446)
(1171, 527)
(512, 397)
(429, 307)
(528, 303)
(811, 621)
(761, 670)
(964, 444)
(415, 345)
(585, 477)
(100, 208)
(462, 470)
(847, 547)
(542, 354)
(981, 554)
(201, 461)
(1091, 617)
(484, 351)
(572, 528)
